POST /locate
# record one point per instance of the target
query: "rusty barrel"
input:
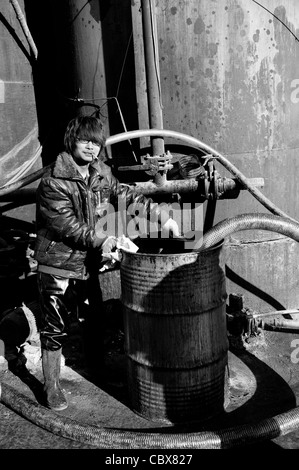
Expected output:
(175, 334)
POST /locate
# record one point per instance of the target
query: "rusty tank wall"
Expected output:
(229, 75)
(19, 144)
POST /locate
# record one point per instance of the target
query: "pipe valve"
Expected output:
(157, 163)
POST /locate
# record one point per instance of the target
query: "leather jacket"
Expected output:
(67, 213)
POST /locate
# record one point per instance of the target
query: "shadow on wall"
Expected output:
(248, 286)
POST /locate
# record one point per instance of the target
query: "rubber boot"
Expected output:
(54, 396)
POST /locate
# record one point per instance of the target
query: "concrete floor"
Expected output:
(263, 383)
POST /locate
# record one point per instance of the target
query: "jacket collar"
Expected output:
(65, 168)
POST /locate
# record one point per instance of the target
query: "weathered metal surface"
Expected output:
(175, 334)
(110, 284)
(266, 272)
(19, 145)
(229, 76)
(152, 73)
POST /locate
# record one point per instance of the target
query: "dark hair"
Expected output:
(85, 128)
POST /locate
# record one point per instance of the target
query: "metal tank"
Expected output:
(229, 75)
(95, 61)
(19, 145)
(79, 56)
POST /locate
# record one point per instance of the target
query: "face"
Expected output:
(85, 152)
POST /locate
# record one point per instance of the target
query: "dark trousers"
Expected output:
(59, 298)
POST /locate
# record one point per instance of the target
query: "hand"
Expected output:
(108, 245)
(171, 227)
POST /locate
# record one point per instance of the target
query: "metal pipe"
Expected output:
(276, 312)
(10, 188)
(24, 26)
(150, 188)
(20, 195)
(196, 143)
(269, 320)
(192, 141)
(152, 71)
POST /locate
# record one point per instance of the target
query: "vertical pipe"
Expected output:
(25, 28)
(80, 56)
(152, 71)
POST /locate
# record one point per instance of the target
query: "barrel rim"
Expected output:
(169, 255)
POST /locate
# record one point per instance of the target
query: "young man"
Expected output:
(68, 247)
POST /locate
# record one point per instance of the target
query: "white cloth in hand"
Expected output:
(108, 245)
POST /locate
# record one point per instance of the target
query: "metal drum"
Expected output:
(175, 334)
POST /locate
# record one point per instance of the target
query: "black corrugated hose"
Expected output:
(106, 438)
(272, 223)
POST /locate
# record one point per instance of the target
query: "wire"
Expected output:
(124, 126)
(271, 13)
(123, 65)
